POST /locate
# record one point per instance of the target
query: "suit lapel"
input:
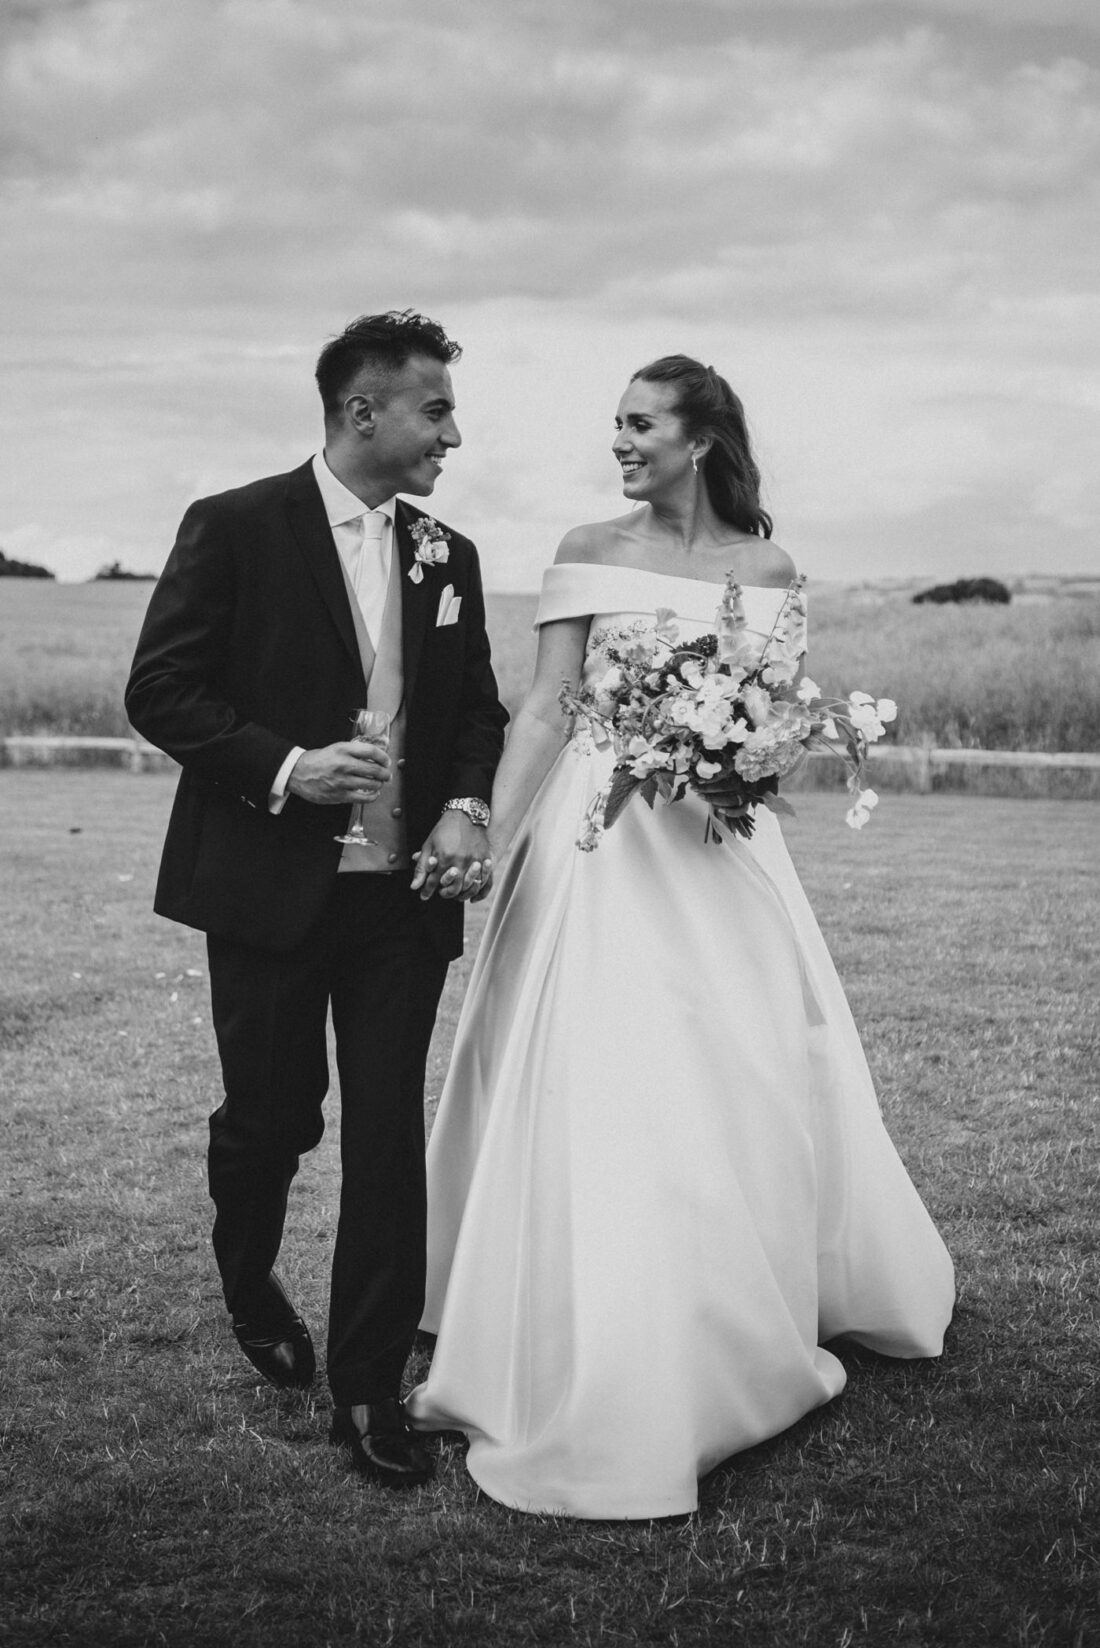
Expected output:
(416, 599)
(313, 535)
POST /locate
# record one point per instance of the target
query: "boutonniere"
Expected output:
(432, 546)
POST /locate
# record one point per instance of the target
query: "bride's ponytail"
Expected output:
(708, 406)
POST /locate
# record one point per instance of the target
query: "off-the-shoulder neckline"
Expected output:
(671, 577)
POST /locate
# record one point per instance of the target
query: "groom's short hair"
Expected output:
(385, 343)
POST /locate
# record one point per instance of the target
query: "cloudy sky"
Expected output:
(879, 219)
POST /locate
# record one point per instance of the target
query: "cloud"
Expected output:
(213, 144)
(884, 216)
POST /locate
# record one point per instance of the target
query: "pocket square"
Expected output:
(449, 607)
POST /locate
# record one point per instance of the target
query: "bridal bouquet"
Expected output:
(721, 712)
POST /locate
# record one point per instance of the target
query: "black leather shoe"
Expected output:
(275, 1339)
(381, 1443)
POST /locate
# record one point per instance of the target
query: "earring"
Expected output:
(695, 462)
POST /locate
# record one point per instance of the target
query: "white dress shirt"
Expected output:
(366, 549)
(368, 568)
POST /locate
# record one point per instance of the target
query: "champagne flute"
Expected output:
(370, 727)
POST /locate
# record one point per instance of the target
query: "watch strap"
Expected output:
(476, 810)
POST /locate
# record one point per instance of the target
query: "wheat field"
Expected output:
(1025, 676)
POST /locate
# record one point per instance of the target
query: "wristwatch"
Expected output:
(476, 811)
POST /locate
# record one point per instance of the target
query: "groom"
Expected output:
(285, 606)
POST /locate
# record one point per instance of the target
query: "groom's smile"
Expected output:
(409, 427)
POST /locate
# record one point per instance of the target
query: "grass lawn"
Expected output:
(153, 1493)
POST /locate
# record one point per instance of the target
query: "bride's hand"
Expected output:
(496, 863)
(725, 798)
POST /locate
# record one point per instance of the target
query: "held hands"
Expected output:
(455, 861)
(338, 773)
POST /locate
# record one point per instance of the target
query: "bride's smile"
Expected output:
(651, 445)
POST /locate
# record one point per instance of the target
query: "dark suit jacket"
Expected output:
(248, 649)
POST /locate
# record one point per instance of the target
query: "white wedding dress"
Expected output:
(658, 1179)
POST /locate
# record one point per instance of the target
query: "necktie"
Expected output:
(371, 575)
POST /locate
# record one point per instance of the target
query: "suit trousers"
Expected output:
(372, 960)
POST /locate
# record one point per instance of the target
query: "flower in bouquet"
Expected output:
(860, 811)
(722, 715)
(870, 717)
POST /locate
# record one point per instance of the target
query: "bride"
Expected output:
(658, 1180)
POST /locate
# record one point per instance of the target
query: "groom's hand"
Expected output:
(340, 773)
(455, 861)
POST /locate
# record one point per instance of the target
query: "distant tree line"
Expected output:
(115, 570)
(965, 589)
(10, 568)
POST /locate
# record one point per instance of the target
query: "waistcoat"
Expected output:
(383, 818)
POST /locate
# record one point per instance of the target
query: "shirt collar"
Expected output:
(342, 505)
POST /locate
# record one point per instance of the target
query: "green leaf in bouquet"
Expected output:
(648, 791)
(623, 785)
(779, 804)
